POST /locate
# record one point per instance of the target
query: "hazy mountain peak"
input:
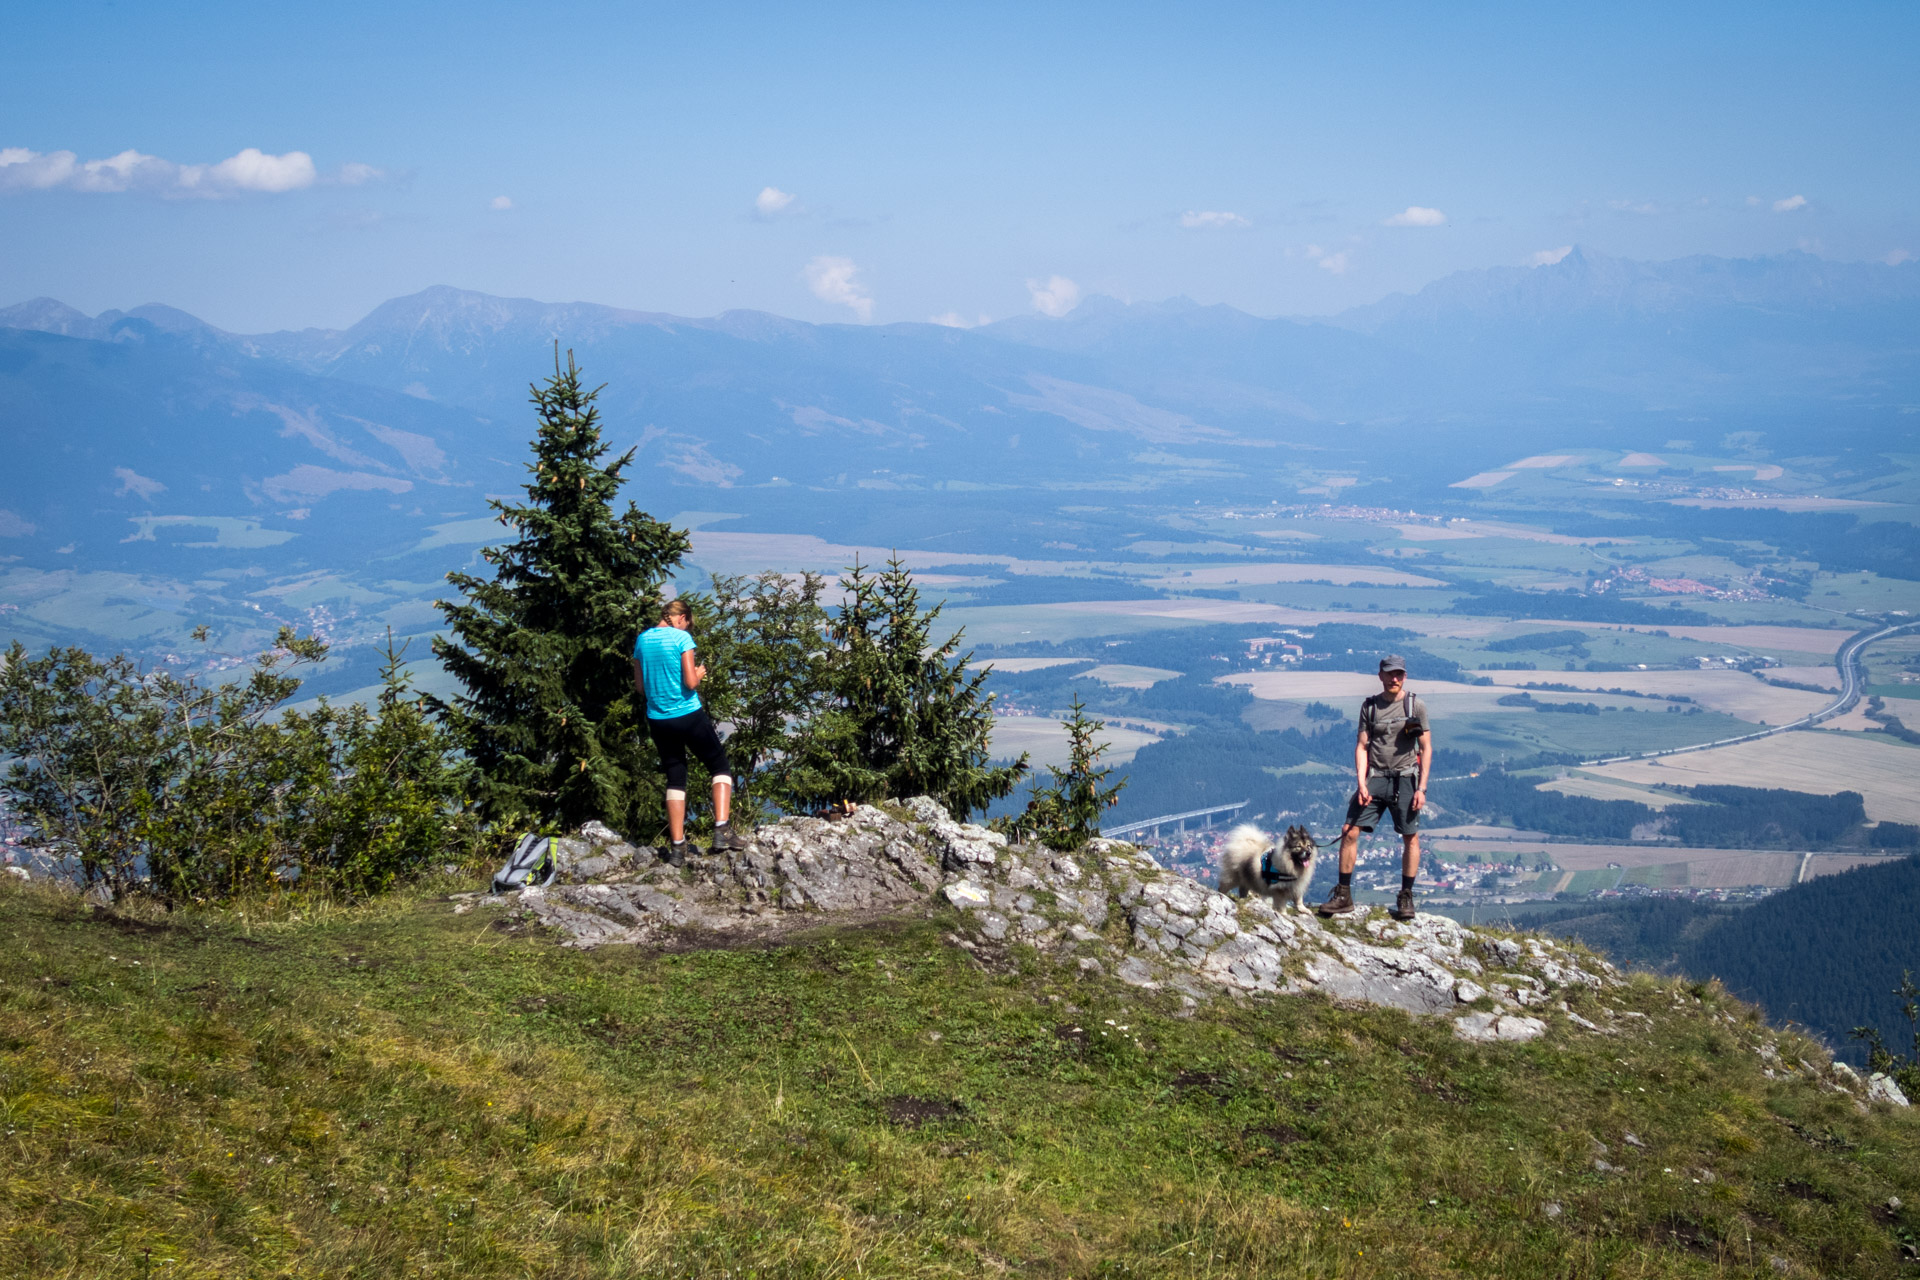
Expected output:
(50, 315)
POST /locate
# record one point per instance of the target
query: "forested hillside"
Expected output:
(1828, 954)
(1728, 818)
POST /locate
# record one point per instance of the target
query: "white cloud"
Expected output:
(15, 525)
(1789, 204)
(1645, 208)
(1054, 296)
(357, 174)
(832, 280)
(1897, 257)
(1212, 220)
(954, 320)
(132, 481)
(1547, 257)
(500, 202)
(1335, 263)
(772, 201)
(250, 170)
(1417, 216)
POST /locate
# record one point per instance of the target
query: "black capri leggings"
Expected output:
(674, 737)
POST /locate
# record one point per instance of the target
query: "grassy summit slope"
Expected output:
(393, 1090)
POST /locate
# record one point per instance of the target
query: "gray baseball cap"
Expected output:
(1392, 662)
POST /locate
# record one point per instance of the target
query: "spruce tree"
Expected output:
(1065, 813)
(904, 717)
(543, 648)
(764, 641)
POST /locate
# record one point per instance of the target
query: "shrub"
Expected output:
(149, 780)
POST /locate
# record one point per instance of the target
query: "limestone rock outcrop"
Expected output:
(1108, 908)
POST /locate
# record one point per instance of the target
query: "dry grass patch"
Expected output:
(1879, 768)
(1733, 693)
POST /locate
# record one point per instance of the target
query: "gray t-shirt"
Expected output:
(1393, 727)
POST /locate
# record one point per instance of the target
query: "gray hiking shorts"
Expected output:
(1389, 795)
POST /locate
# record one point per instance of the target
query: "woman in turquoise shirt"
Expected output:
(666, 675)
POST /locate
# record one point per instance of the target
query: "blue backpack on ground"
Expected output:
(531, 866)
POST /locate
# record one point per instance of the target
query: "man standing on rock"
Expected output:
(666, 675)
(1391, 758)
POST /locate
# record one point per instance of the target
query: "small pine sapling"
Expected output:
(1065, 813)
(1903, 1068)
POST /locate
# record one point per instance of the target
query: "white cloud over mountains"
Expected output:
(1054, 296)
(250, 171)
(1417, 216)
(1330, 262)
(1548, 257)
(1213, 220)
(833, 280)
(954, 320)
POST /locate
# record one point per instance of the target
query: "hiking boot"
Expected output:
(677, 852)
(725, 838)
(1339, 902)
(1403, 906)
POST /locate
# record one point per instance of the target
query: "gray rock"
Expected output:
(1491, 1027)
(1178, 934)
(1881, 1088)
(1137, 972)
(967, 895)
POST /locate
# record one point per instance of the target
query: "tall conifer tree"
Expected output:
(904, 717)
(543, 648)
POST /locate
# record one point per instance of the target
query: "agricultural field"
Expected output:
(1732, 693)
(1588, 868)
(1832, 864)
(1045, 739)
(1893, 669)
(1580, 782)
(1123, 676)
(1290, 571)
(1881, 769)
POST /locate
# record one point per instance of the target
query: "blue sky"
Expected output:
(298, 165)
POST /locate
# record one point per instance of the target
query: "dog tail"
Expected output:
(1245, 843)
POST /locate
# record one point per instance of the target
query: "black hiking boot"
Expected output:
(1403, 906)
(677, 852)
(726, 838)
(1339, 902)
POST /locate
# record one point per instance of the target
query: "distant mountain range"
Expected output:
(125, 428)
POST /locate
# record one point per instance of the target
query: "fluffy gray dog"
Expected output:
(1245, 865)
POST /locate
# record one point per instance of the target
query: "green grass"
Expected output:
(1593, 881)
(398, 1091)
(1657, 875)
(1609, 733)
